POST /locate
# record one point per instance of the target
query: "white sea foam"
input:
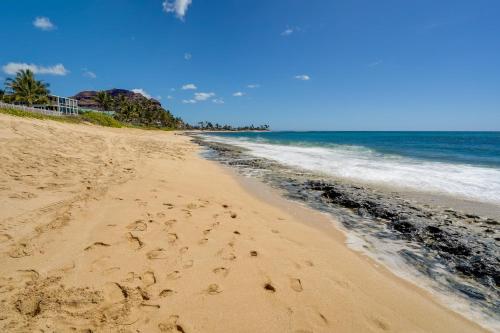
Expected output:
(362, 164)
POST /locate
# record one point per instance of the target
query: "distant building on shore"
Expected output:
(64, 105)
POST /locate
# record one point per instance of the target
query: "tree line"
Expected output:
(209, 126)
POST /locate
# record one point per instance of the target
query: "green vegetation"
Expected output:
(91, 117)
(25, 89)
(141, 112)
(28, 114)
(208, 126)
(102, 119)
(104, 100)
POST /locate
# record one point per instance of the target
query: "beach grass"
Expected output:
(96, 118)
(101, 119)
(91, 117)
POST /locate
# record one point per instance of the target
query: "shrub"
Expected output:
(102, 119)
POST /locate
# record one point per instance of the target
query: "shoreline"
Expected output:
(361, 208)
(124, 230)
(327, 223)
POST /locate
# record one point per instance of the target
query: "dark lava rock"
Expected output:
(463, 246)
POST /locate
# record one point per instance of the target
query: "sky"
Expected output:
(292, 64)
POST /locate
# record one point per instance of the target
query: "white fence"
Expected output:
(30, 109)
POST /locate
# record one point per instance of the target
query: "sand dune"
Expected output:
(123, 230)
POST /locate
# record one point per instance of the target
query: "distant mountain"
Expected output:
(86, 99)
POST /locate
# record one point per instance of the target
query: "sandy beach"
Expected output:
(127, 230)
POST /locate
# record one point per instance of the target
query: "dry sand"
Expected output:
(122, 230)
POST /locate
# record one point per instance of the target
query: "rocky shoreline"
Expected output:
(459, 250)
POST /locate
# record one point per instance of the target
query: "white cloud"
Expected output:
(43, 23)
(218, 101)
(375, 63)
(303, 77)
(239, 94)
(203, 96)
(179, 7)
(189, 101)
(170, 97)
(13, 67)
(189, 86)
(188, 56)
(88, 74)
(253, 86)
(288, 31)
(142, 92)
(158, 97)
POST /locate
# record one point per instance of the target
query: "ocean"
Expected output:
(462, 164)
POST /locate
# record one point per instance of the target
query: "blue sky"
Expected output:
(295, 64)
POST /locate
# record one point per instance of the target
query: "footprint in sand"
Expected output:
(379, 323)
(309, 263)
(296, 285)
(269, 287)
(96, 245)
(21, 250)
(213, 289)
(146, 305)
(229, 256)
(236, 232)
(172, 238)
(148, 278)
(192, 206)
(222, 271)
(253, 254)
(169, 223)
(168, 205)
(138, 225)
(166, 293)
(114, 292)
(183, 249)
(28, 274)
(172, 325)
(135, 241)
(157, 253)
(233, 215)
(203, 241)
(323, 318)
(4, 238)
(174, 275)
(143, 294)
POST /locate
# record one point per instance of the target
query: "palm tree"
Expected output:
(25, 89)
(104, 100)
(2, 93)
